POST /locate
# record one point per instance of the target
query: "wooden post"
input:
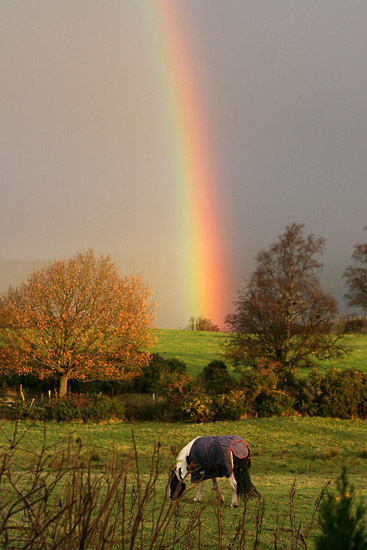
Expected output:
(21, 393)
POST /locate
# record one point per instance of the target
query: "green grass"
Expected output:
(306, 451)
(357, 358)
(197, 349)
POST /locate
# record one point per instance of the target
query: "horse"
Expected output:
(210, 457)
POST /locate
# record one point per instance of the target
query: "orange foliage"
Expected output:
(77, 319)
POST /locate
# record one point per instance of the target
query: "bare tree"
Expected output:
(282, 313)
(356, 276)
(77, 319)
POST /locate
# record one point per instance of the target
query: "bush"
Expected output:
(232, 406)
(82, 408)
(338, 394)
(274, 403)
(142, 407)
(215, 377)
(311, 394)
(204, 408)
(345, 394)
(159, 375)
(343, 525)
(198, 409)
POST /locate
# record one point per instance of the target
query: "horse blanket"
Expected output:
(210, 456)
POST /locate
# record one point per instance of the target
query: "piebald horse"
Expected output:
(210, 457)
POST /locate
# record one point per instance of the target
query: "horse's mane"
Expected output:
(245, 486)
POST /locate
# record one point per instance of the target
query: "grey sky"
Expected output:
(83, 162)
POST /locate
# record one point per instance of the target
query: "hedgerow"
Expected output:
(337, 393)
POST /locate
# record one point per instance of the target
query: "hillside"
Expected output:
(198, 348)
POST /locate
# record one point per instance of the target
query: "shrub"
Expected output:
(311, 394)
(253, 382)
(343, 525)
(204, 408)
(82, 408)
(230, 406)
(215, 377)
(345, 393)
(274, 403)
(159, 375)
(142, 407)
(339, 394)
(198, 409)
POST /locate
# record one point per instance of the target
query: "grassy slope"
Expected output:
(309, 451)
(197, 349)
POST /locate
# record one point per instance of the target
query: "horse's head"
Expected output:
(176, 486)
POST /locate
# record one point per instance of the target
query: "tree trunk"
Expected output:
(63, 386)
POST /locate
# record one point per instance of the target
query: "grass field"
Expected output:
(287, 453)
(197, 349)
(306, 451)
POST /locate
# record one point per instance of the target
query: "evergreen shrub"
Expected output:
(216, 378)
(342, 520)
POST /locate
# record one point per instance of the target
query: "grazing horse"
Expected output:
(210, 457)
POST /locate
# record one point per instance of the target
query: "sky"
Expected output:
(88, 145)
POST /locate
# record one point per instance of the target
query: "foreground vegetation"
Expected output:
(293, 459)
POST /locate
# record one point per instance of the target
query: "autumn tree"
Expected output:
(77, 319)
(282, 314)
(356, 276)
(202, 323)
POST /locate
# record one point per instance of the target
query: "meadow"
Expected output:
(196, 349)
(293, 459)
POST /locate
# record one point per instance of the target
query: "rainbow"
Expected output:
(205, 264)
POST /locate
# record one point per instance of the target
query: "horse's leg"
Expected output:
(233, 484)
(199, 492)
(217, 488)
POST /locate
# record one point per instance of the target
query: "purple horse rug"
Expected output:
(210, 456)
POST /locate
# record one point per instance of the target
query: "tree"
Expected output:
(201, 323)
(282, 313)
(77, 319)
(356, 276)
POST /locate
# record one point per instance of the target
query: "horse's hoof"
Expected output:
(234, 505)
(197, 499)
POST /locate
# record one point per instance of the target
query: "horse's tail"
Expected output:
(245, 487)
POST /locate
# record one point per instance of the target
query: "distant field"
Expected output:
(197, 349)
